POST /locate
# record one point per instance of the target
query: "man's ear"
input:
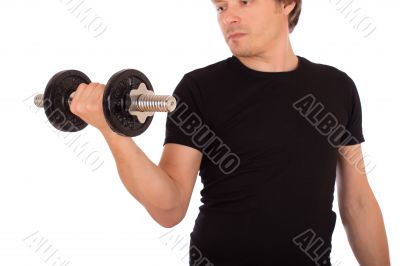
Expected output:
(288, 7)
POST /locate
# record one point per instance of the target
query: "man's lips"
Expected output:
(235, 35)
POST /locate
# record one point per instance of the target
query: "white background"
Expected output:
(49, 192)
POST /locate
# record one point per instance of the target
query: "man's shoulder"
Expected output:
(310, 65)
(324, 71)
(310, 68)
(209, 71)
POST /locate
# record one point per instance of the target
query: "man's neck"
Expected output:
(274, 60)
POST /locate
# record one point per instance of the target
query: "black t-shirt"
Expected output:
(270, 143)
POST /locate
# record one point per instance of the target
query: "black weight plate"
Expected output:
(116, 102)
(56, 95)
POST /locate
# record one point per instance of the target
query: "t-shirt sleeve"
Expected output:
(354, 123)
(188, 116)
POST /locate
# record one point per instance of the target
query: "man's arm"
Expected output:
(359, 210)
(164, 190)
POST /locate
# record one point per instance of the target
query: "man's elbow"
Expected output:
(167, 218)
(168, 224)
(351, 209)
(171, 222)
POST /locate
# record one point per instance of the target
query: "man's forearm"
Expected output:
(365, 230)
(146, 181)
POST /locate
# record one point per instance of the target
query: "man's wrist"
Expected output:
(109, 133)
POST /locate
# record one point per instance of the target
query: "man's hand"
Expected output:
(87, 104)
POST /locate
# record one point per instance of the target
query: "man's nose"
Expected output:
(231, 16)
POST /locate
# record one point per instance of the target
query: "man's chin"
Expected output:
(241, 52)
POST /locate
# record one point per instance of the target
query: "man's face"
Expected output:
(261, 22)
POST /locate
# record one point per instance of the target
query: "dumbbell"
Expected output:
(129, 101)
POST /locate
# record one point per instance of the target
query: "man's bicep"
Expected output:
(182, 164)
(350, 174)
(188, 117)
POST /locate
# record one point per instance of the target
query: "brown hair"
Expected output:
(294, 14)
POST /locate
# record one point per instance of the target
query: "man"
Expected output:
(267, 129)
